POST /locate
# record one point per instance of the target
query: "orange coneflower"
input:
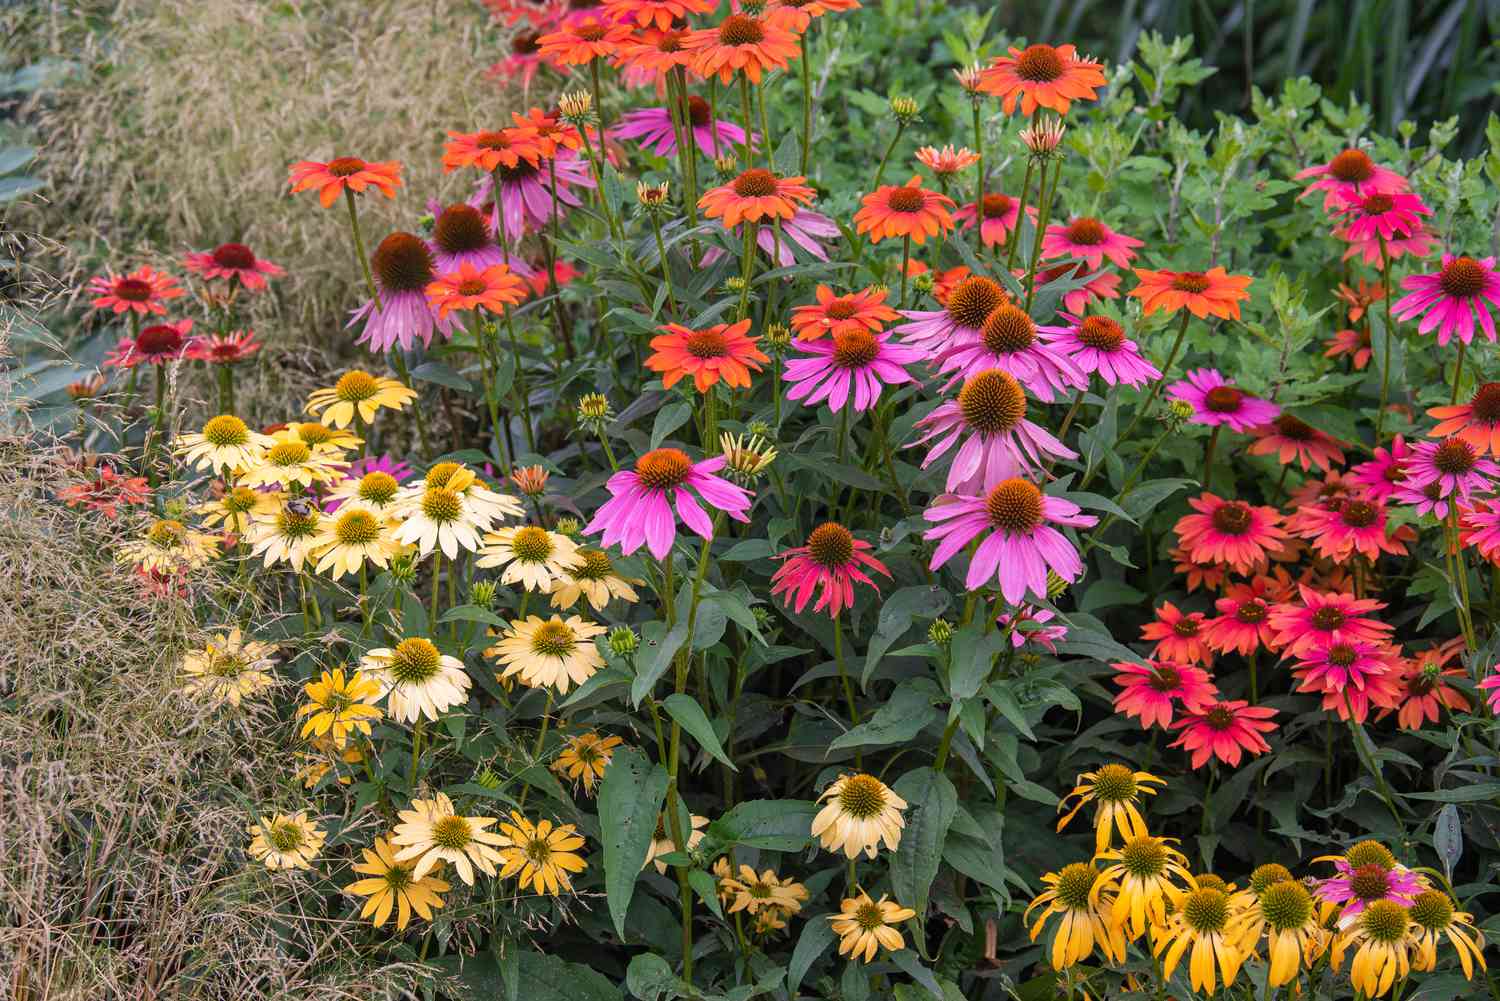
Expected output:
(651, 54)
(345, 173)
(661, 13)
(838, 314)
(1214, 292)
(580, 42)
(718, 351)
(904, 210)
(494, 288)
(796, 15)
(744, 44)
(1043, 77)
(491, 148)
(756, 194)
(551, 131)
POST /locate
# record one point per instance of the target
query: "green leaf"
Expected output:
(707, 889)
(668, 419)
(1463, 794)
(999, 695)
(1448, 838)
(650, 978)
(973, 656)
(547, 977)
(897, 614)
(12, 188)
(434, 371)
(907, 960)
(1148, 495)
(656, 666)
(817, 936)
(931, 803)
(686, 711)
(903, 716)
(775, 825)
(630, 799)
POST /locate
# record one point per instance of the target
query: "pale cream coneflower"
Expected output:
(549, 653)
(337, 706)
(355, 535)
(224, 444)
(169, 547)
(289, 462)
(236, 509)
(389, 885)
(596, 579)
(287, 535)
(662, 843)
(541, 855)
(864, 926)
(432, 832)
(358, 392)
(419, 681)
(531, 556)
(859, 813)
(228, 668)
(285, 842)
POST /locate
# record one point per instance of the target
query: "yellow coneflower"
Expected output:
(541, 855)
(228, 668)
(358, 392)
(432, 832)
(237, 509)
(593, 578)
(1080, 893)
(290, 461)
(1294, 937)
(320, 437)
(337, 707)
(585, 757)
(864, 926)
(552, 653)
(225, 444)
(754, 892)
(169, 547)
(1266, 876)
(662, 843)
(1142, 870)
(418, 680)
(725, 885)
(769, 919)
(283, 842)
(1115, 790)
(531, 555)
(320, 758)
(353, 536)
(860, 812)
(390, 884)
(1211, 922)
(287, 535)
(1434, 916)
(1382, 935)
(376, 490)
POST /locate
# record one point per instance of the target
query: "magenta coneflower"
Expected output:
(1243, 623)
(1491, 687)
(806, 229)
(1453, 464)
(1339, 666)
(652, 127)
(1359, 886)
(233, 262)
(1350, 177)
(525, 204)
(403, 268)
(1231, 532)
(998, 442)
(462, 235)
(1350, 525)
(1153, 692)
(1098, 344)
(1479, 526)
(1020, 543)
(1090, 241)
(1325, 618)
(143, 292)
(831, 560)
(1216, 401)
(969, 304)
(1452, 297)
(1224, 730)
(224, 349)
(1291, 438)
(1420, 245)
(1425, 499)
(849, 367)
(1028, 625)
(1383, 216)
(1381, 475)
(158, 344)
(639, 510)
(1013, 342)
(1001, 212)
(1178, 636)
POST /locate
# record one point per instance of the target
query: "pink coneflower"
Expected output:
(1020, 543)
(1419, 245)
(1479, 526)
(968, 305)
(1153, 692)
(1426, 499)
(1476, 422)
(1216, 401)
(1340, 666)
(526, 203)
(1013, 342)
(462, 235)
(831, 561)
(806, 229)
(652, 127)
(224, 349)
(1001, 213)
(158, 344)
(1348, 526)
(848, 368)
(1104, 285)
(1224, 730)
(1379, 477)
(1089, 240)
(1206, 574)
(1383, 216)
(143, 292)
(402, 267)
(639, 510)
(1098, 344)
(1028, 625)
(1288, 438)
(1325, 618)
(1230, 531)
(1354, 343)
(1453, 464)
(1491, 685)
(998, 442)
(1452, 297)
(1178, 636)
(233, 262)
(1243, 623)
(1357, 887)
(1349, 178)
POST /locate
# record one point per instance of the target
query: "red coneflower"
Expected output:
(831, 561)
(1289, 438)
(1178, 636)
(835, 314)
(742, 44)
(492, 148)
(468, 288)
(904, 210)
(231, 262)
(345, 173)
(1214, 292)
(579, 42)
(755, 195)
(1224, 730)
(721, 351)
(1355, 343)
(1229, 531)
(1152, 692)
(1243, 623)
(1042, 76)
(158, 344)
(1476, 422)
(1324, 618)
(143, 292)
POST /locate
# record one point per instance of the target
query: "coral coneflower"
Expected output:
(345, 173)
(489, 149)
(1010, 340)
(1215, 400)
(796, 15)
(1479, 524)
(1243, 623)
(1232, 532)
(654, 129)
(1019, 543)
(906, 210)
(143, 292)
(469, 288)
(1350, 525)
(742, 44)
(1027, 624)
(1325, 618)
(1476, 422)
(158, 344)
(1451, 298)
(105, 491)
(1289, 437)
(233, 262)
(1103, 285)
(403, 268)
(1224, 730)
(1178, 636)
(755, 195)
(997, 441)
(1042, 76)
(1353, 343)
(947, 161)
(649, 56)
(1214, 292)
(1098, 344)
(1455, 465)
(1349, 178)
(1426, 681)
(523, 60)
(830, 562)
(967, 306)
(836, 314)
(996, 221)
(722, 351)
(851, 367)
(639, 510)
(579, 42)
(1382, 216)
(1091, 241)
(224, 349)
(1152, 693)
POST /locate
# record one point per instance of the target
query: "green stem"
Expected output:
(806, 103)
(1015, 239)
(359, 250)
(1458, 370)
(885, 157)
(979, 188)
(838, 656)
(905, 258)
(1046, 193)
(1208, 456)
(1166, 370)
(752, 228)
(666, 269)
(398, 361)
(541, 742)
